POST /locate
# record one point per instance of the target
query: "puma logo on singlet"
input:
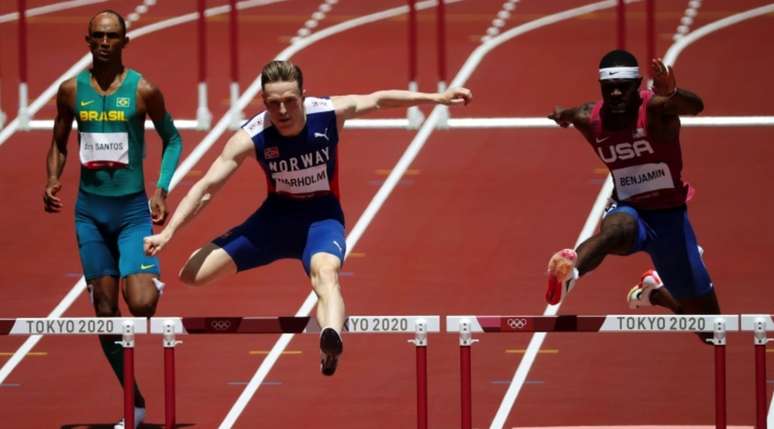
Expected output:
(323, 135)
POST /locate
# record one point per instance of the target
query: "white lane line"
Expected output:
(591, 222)
(50, 92)
(674, 51)
(50, 8)
(365, 219)
(80, 286)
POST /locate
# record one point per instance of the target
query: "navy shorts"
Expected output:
(667, 236)
(110, 232)
(287, 228)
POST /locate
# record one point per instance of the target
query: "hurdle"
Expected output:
(127, 327)
(170, 327)
(759, 324)
(717, 324)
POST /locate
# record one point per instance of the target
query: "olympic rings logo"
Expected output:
(220, 324)
(519, 323)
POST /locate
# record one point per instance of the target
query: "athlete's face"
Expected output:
(285, 104)
(620, 95)
(106, 38)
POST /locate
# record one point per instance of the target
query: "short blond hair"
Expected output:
(282, 71)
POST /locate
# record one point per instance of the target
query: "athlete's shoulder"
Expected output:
(257, 124)
(318, 105)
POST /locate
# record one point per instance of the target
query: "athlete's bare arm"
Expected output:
(579, 117)
(669, 102)
(668, 98)
(237, 149)
(353, 106)
(57, 153)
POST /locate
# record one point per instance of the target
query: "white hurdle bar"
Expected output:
(474, 123)
(717, 324)
(760, 325)
(169, 327)
(127, 327)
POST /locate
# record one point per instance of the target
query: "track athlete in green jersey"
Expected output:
(110, 103)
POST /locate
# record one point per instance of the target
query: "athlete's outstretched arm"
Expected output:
(57, 153)
(153, 99)
(579, 117)
(238, 147)
(352, 106)
(668, 98)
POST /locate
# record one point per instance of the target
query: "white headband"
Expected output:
(608, 73)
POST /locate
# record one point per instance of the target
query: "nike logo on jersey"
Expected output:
(336, 243)
(86, 103)
(323, 135)
(602, 139)
(147, 267)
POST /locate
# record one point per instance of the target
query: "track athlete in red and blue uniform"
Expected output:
(637, 135)
(295, 141)
(113, 213)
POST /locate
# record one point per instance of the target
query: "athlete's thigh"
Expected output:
(136, 225)
(628, 226)
(324, 236)
(676, 256)
(96, 248)
(207, 264)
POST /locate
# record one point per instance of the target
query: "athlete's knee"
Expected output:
(619, 235)
(105, 308)
(324, 273)
(142, 307)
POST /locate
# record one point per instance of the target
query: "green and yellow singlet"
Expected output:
(110, 136)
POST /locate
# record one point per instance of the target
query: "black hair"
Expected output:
(120, 18)
(618, 58)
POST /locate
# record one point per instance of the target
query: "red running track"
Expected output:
(468, 230)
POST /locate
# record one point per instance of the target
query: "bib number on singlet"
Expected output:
(100, 150)
(639, 179)
(304, 181)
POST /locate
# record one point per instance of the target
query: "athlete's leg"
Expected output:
(688, 288)
(104, 294)
(324, 275)
(617, 236)
(141, 293)
(322, 257)
(207, 264)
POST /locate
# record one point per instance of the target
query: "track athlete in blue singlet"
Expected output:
(112, 214)
(637, 135)
(295, 141)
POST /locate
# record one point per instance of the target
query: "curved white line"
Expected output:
(50, 8)
(591, 222)
(50, 92)
(677, 48)
(80, 286)
(363, 221)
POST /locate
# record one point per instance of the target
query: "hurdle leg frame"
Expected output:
(718, 340)
(170, 342)
(420, 343)
(466, 395)
(759, 344)
(127, 342)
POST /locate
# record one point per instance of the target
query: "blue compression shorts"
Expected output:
(287, 228)
(667, 236)
(110, 232)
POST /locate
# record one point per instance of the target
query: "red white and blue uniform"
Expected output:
(302, 214)
(647, 175)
